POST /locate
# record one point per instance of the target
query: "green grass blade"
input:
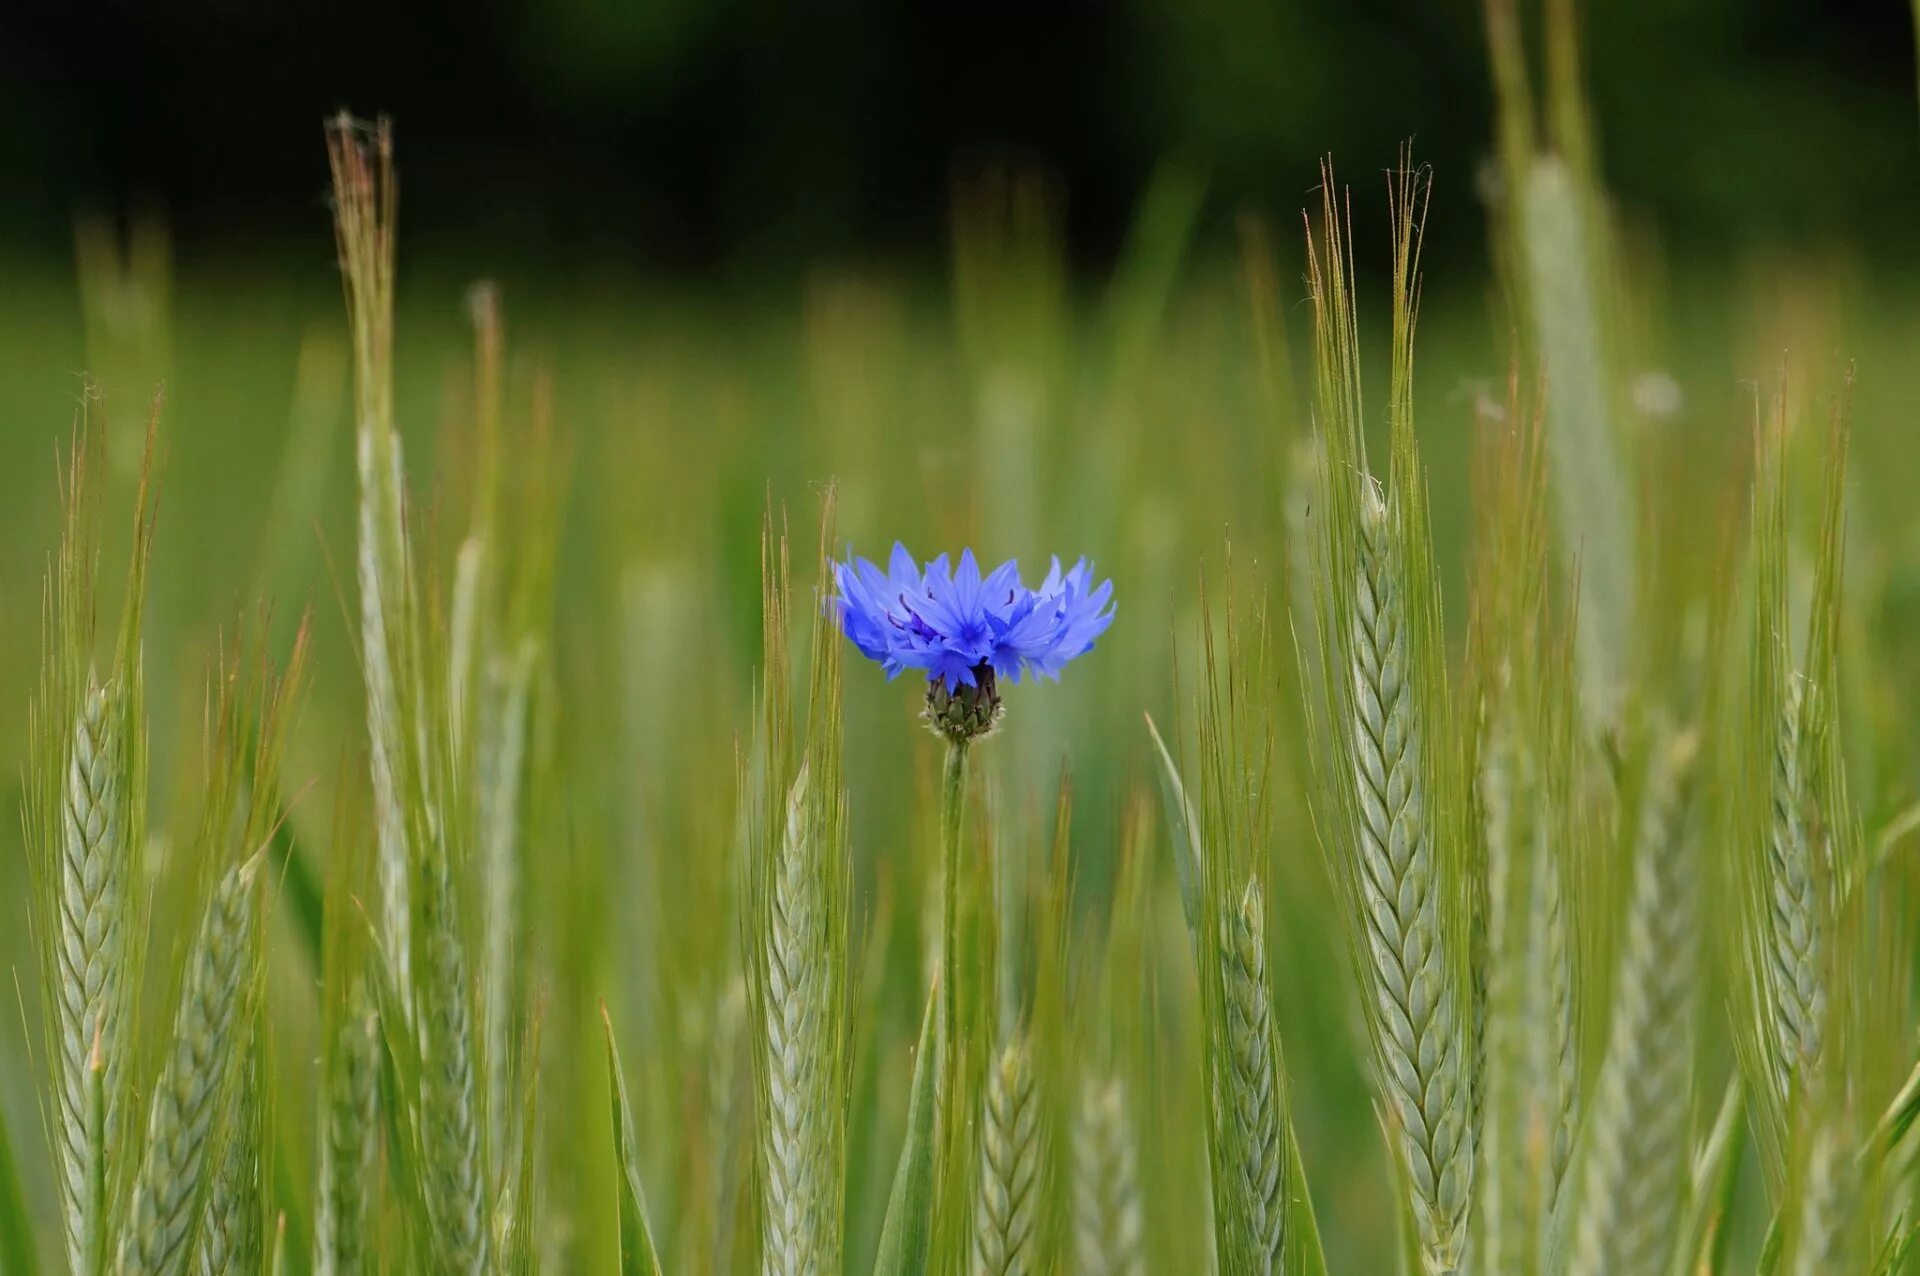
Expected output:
(16, 1229)
(301, 888)
(907, 1233)
(638, 1257)
(1184, 827)
(1305, 1256)
(1716, 1172)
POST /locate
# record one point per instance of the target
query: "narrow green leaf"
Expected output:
(1898, 1118)
(1773, 1250)
(1305, 1257)
(1898, 1248)
(1703, 1236)
(637, 1254)
(908, 1229)
(16, 1230)
(1185, 828)
(301, 888)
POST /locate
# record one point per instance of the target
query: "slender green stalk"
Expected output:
(953, 819)
(503, 744)
(186, 1123)
(1008, 1201)
(1826, 1198)
(1593, 500)
(93, 1247)
(1108, 1222)
(365, 198)
(1638, 1135)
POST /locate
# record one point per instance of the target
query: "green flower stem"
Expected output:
(953, 818)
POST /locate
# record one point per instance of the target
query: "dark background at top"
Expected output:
(751, 137)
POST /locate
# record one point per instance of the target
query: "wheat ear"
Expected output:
(1550, 901)
(1107, 1216)
(1637, 1138)
(797, 1019)
(1107, 1210)
(1008, 1202)
(1253, 1082)
(347, 1141)
(184, 1122)
(94, 899)
(1528, 1073)
(231, 1239)
(1795, 931)
(451, 1131)
(1418, 1031)
(502, 750)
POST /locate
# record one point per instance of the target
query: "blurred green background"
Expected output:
(751, 139)
(1022, 277)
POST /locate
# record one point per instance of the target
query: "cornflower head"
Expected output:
(967, 630)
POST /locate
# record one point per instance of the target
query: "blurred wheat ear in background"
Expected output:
(1636, 1145)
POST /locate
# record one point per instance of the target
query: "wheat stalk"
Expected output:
(365, 195)
(1593, 501)
(1107, 1217)
(92, 936)
(1007, 1203)
(1637, 1138)
(502, 749)
(1417, 1025)
(1504, 1028)
(347, 1141)
(450, 1103)
(185, 1119)
(1796, 927)
(1529, 1071)
(1826, 1193)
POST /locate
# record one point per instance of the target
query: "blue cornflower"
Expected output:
(967, 630)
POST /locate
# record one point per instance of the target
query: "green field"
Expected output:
(1647, 870)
